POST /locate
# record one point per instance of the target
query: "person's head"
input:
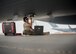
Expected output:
(25, 19)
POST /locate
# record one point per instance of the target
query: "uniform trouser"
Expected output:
(28, 32)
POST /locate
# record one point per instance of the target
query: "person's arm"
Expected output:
(30, 22)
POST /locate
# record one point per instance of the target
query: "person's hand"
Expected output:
(31, 29)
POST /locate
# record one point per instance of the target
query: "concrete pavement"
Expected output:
(48, 44)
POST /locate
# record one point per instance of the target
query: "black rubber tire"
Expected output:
(14, 34)
(5, 34)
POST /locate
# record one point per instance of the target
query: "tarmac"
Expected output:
(40, 44)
